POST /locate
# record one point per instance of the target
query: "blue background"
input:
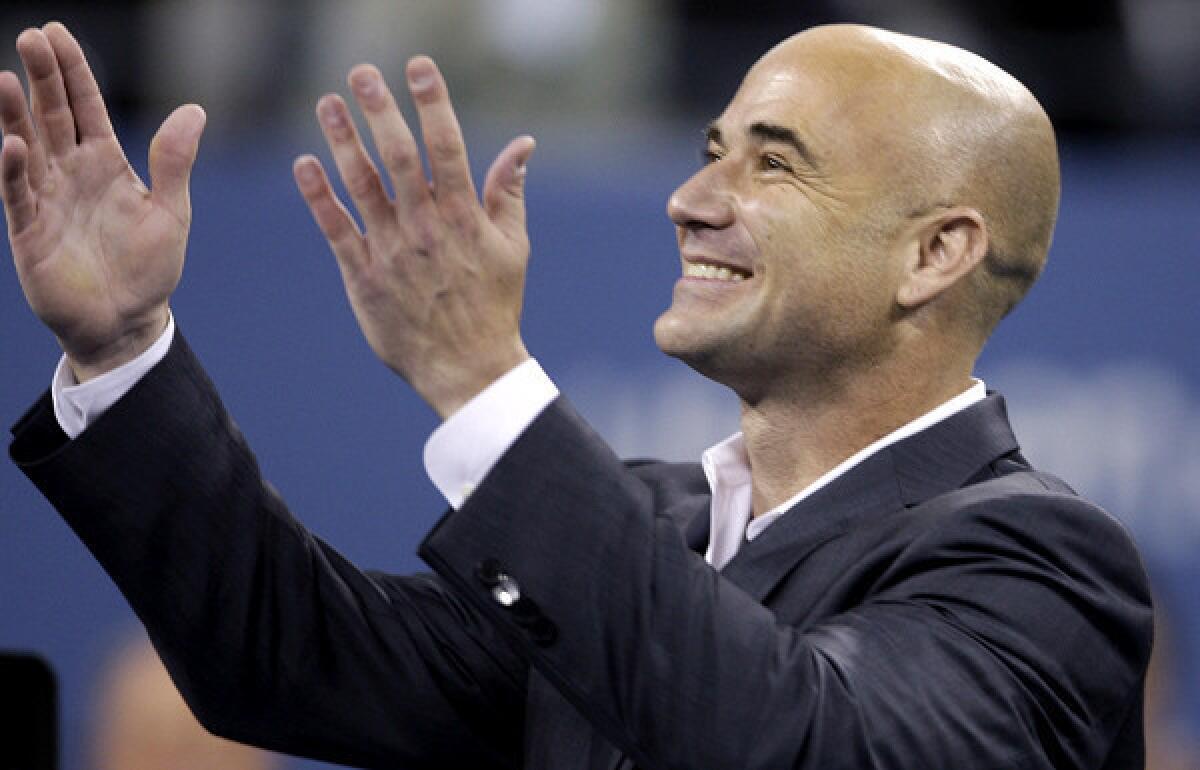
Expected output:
(1115, 316)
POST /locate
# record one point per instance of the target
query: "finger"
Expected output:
(335, 222)
(87, 105)
(172, 155)
(443, 136)
(356, 168)
(504, 188)
(51, 111)
(15, 119)
(19, 207)
(393, 138)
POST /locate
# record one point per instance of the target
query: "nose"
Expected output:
(702, 201)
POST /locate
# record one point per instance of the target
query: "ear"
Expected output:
(949, 246)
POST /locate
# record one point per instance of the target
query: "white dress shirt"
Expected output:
(77, 406)
(728, 470)
(461, 451)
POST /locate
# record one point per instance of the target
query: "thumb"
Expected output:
(504, 188)
(172, 153)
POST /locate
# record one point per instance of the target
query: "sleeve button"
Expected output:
(506, 591)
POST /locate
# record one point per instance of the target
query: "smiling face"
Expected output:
(784, 233)
(823, 197)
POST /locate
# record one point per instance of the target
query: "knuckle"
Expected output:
(399, 156)
(363, 183)
(348, 259)
(424, 236)
(461, 215)
(445, 147)
(336, 229)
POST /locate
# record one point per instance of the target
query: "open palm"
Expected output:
(97, 253)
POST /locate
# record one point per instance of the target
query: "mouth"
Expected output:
(712, 270)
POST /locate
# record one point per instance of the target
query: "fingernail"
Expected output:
(330, 115)
(365, 84)
(523, 161)
(420, 74)
(307, 172)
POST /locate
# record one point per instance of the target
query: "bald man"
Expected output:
(868, 575)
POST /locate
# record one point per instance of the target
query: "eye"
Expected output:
(710, 155)
(772, 162)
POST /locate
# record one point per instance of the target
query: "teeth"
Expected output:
(712, 272)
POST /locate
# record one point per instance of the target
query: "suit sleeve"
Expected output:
(1006, 635)
(273, 638)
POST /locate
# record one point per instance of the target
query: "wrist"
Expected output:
(136, 340)
(450, 392)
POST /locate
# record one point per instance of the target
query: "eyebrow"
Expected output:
(768, 132)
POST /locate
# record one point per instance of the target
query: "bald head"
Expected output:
(871, 206)
(937, 127)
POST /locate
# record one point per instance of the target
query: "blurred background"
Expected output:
(1100, 364)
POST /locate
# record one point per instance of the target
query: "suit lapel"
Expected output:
(867, 490)
(932, 462)
(697, 520)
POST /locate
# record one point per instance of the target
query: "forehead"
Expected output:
(776, 94)
(786, 96)
(841, 104)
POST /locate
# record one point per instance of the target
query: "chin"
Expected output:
(672, 335)
(688, 344)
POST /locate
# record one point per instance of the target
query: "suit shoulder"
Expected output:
(1027, 496)
(1036, 517)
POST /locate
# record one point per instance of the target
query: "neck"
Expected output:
(796, 436)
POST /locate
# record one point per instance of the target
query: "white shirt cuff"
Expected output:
(465, 447)
(76, 406)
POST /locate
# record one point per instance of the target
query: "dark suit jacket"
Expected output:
(940, 606)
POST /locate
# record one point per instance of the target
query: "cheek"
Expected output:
(781, 234)
(838, 281)
(786, 218)
(822, 257)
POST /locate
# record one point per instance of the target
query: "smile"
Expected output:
(713, 272)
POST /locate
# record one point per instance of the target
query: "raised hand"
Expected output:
(97, 253)
(436, 280)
